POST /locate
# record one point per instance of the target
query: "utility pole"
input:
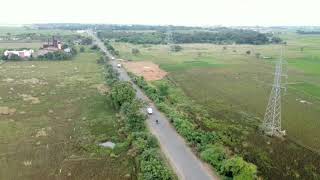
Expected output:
(272, 119)
(169, 38)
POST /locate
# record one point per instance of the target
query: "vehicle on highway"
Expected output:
(119, 65)
(149, 110)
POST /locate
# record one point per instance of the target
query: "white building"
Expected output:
(22, 54)
(67, 50)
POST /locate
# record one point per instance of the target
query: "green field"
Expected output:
(17, 45)
(229, 80)
(58, 116)
(232, 85)
(4, 30)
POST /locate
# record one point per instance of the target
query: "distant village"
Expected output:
(51, 46)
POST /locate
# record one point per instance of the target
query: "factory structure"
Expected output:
(52, 45)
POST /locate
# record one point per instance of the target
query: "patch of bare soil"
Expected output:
(29, 98)
(42, 133)
(102, 88)
(4, 110)
(148, 70)
(8, 80)
(34, 81)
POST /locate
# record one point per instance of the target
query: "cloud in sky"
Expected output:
(177, 12)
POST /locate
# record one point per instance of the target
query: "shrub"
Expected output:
(143, 140)
(214, 155)
(151, 166)
(12, 57)
(86, 41)
(110, 75)
(176, 48)
(101, 60)
(82, 49)
(94, 47)
(239, 169)
(135, 51)
(122, 92)
(133, 117)
(57, 55)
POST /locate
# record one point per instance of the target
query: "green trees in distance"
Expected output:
(216, 36)
(58, 55)
(86, 41)
(111, 48)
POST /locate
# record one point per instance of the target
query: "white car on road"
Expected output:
(149, 110)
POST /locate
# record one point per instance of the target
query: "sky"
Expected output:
(164, 12)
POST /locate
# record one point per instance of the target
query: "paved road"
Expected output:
(185, 164)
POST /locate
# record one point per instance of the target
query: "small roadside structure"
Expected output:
(108, 144)
(67, 50)
(266, 57)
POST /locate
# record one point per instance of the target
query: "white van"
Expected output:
(149, 110)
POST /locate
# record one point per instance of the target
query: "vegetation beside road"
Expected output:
(140, 143)
(184, 115)
(233, 87)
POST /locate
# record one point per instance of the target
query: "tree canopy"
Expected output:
(122, 92)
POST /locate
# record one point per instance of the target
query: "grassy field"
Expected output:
(57, 115)
(27, 29)
(229, 80)
(232, 85)
(17, 45)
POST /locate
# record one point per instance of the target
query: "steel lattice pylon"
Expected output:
(272, 119)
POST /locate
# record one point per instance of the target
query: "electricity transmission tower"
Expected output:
(169, 37)
(272, 119)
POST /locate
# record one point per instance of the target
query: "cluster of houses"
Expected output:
(51, 46)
